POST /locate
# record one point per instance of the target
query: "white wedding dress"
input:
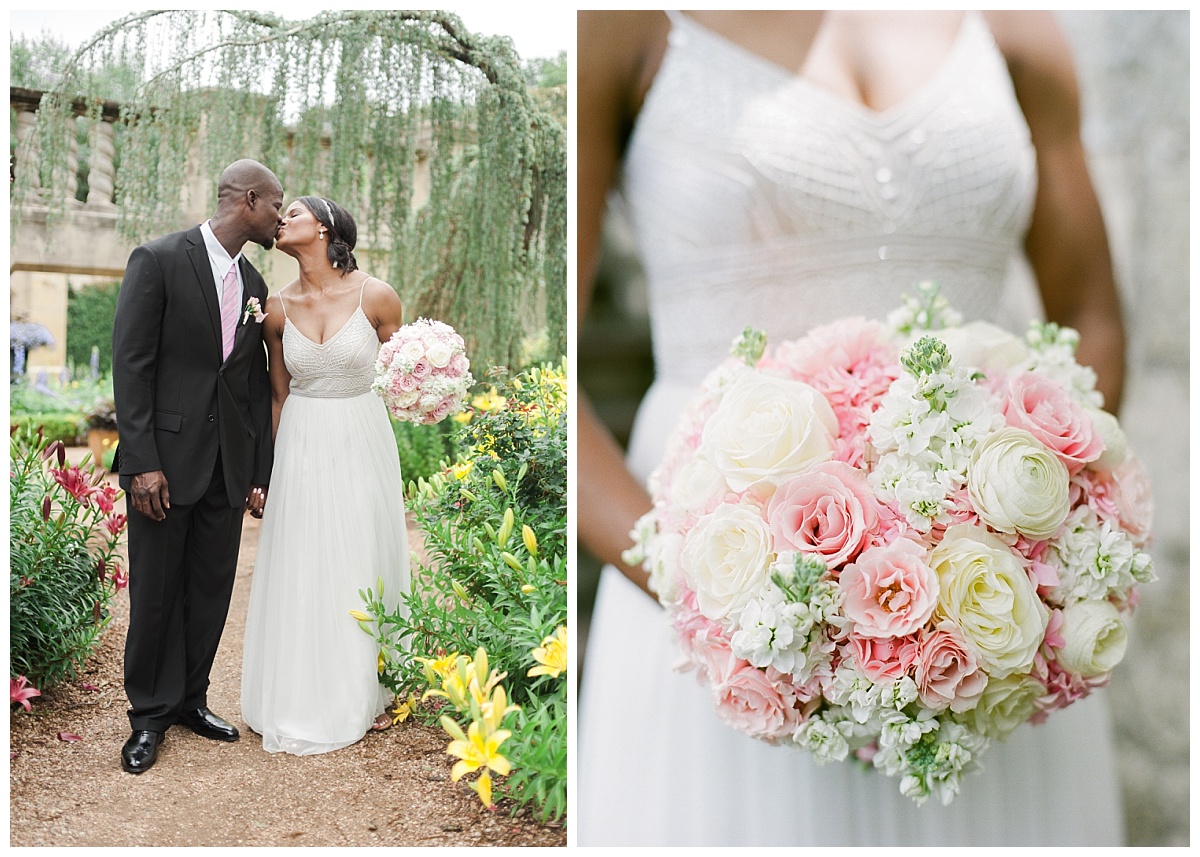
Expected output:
(760, 198)
(333, 525)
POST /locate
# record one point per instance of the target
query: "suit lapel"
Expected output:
(198, 254)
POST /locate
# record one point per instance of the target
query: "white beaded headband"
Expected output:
(328, 210)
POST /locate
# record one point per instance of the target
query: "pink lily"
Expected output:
(19, 690)
(75, 483)
(120, 577)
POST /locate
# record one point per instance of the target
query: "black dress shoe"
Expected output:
(140, 751)
(206, 724)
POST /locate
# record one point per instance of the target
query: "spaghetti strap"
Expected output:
(282, 304)
(363, 290)
(675, 16)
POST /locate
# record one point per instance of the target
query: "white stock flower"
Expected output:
(825, 740)
(1017, 485)
(767, 429)
(1094, 638)
(983, 588)
(725, 559)
(1094, 558)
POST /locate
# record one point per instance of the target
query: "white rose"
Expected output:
(1017, 485)
(726, 558)
(440, 354)
(696, 484)
(1094, 638)
(767, 429)
(1110, 431)
(984, 346)
(983, 588)
(413, 350)
(1004, 705)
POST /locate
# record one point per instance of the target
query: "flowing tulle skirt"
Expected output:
(657, 767)
(333, 525)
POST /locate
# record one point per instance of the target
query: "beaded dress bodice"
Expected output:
(760, 198)
(341, 366)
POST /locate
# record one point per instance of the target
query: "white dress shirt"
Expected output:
(220, 261)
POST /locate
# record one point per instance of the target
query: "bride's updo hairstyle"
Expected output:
(342, 232)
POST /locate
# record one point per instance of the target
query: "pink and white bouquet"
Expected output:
(898, 541)
(422, 372)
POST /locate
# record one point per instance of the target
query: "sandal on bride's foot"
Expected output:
(383, 721)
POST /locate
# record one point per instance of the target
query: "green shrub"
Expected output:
(494, 588)
(423, 449)
(90, 312)
(67, 428)
(63, 535)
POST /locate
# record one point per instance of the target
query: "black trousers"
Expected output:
(181, 573)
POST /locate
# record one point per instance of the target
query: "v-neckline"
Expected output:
(338, 333)
(916, 95)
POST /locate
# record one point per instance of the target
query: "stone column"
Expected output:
(101, 171)
(27, 152)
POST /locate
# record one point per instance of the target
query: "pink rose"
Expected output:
(703, 642)
(1045, 410)
(421, 369)
(1136, 508)
(748, 700)
(459, 364)
(946, 670)
(443, 409)
(885, 658)
(408, 383)
(829, 511)
(890, 591)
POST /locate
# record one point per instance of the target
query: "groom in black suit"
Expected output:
(194, 419)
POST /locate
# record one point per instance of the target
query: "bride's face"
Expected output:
(299, 228)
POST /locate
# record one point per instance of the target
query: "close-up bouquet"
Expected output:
(422, 372)
(899, 541)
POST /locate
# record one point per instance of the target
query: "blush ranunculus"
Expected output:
(1136, 504)
(1043, 408)
(947, 672)
(829, 511)
(890, 590)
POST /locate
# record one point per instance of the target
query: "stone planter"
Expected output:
(100, 441)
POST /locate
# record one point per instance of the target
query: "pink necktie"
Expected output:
(229, 311)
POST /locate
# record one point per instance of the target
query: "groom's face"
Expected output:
(264, 207)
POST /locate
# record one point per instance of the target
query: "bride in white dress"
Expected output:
(782, 170)
(334, 518)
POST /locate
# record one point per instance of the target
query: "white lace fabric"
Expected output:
(341, 366)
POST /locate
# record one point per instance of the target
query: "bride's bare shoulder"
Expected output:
(619, 52)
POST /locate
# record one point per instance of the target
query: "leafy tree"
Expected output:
(352, 105)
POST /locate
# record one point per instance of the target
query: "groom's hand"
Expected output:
(257, 500)
(148, 493)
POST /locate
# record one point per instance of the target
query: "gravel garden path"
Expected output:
(392, 788)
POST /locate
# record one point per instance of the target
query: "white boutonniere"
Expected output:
(253, 308)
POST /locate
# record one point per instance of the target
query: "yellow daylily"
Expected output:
(493, 711)
(475, 750)
(437, 669)
(462, 470)
(489, 401)
(530, 538)
(382, 663)
(483, 788)
(403, 710)
(551, 655)
(462, 417)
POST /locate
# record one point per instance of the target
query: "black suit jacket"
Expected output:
(177, 403)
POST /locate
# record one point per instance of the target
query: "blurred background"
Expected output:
(1134, 72)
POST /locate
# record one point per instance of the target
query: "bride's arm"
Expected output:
(1066, 245)
(277, 371)
(613, 48)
